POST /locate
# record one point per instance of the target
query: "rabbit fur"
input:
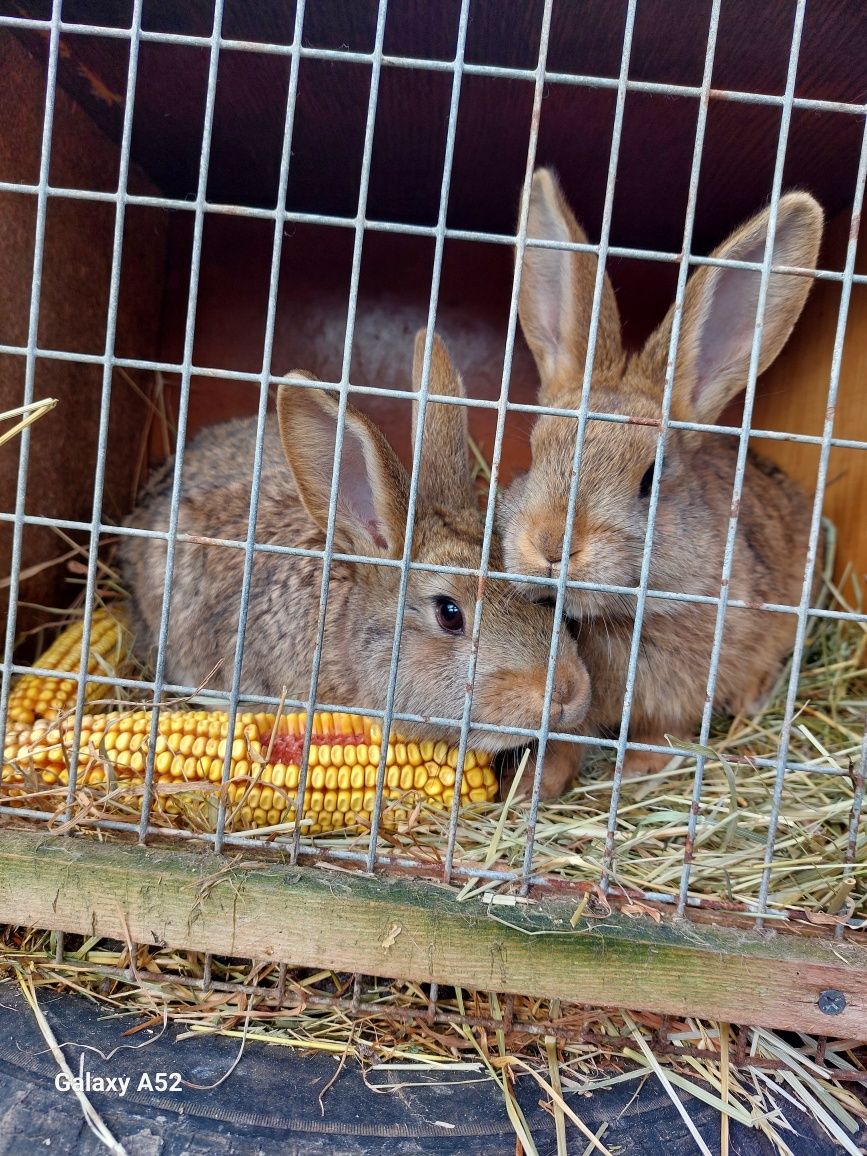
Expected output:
(362, 598)
(695, 488)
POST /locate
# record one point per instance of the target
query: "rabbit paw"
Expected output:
(638, 763)
(562, 763)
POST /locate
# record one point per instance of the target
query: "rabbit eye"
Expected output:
(450, 617)
(646, 481)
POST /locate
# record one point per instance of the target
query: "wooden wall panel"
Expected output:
(793, 396)
(73, 309)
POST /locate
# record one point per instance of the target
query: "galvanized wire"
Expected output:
(653, 505)
(815, 529)
(743, 445)
(268, 349)
(438, 568)
(520, 734)
(421, 411)
(328, 550)
(428, 64)
(183, 406)
(535, 118)
(583, 407)
(859, 777)
(105, 396)
(372, 225)
(400, 394)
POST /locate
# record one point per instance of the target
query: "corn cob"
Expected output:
(36, 696)
(265, 767)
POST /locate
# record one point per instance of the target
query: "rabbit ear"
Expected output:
(557, 294)
(372, 489)
(444, 474)
(719, 311)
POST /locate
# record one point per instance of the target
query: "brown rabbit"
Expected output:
(616, 474)
(362, 598)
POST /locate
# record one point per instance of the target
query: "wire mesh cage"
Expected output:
(312, 178)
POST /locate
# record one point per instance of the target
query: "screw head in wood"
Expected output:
(831, 1002)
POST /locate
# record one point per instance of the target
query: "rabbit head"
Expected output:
(436, 639)
(617, 460)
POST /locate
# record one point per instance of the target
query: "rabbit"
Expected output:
(695, 497)
(371, 519)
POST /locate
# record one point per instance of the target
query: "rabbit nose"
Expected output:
(570, 699)
(550, 548)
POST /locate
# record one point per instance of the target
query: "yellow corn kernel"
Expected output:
(317, 778)
(447, 776)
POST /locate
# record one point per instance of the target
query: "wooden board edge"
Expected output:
(404, 929)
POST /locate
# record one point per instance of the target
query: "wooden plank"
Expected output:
(411, 930)
(793, 396)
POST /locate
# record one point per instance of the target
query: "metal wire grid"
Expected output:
(458, 67)
(366, 1002)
